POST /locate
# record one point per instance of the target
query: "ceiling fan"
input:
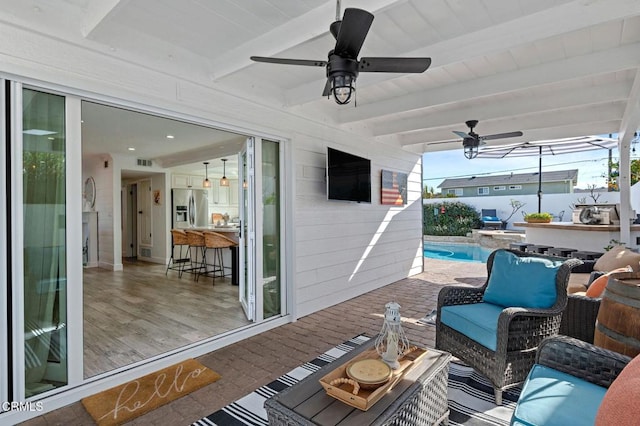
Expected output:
(471, 141)
(342, 65)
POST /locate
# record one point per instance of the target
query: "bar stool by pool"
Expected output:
(519, 246)
(586, 255)
(560, 251)
(214, 243)
(537, 248)
(180, 241)
(196, 242)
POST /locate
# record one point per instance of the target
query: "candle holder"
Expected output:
(391, 343)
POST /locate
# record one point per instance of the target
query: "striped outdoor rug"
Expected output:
(470, 395)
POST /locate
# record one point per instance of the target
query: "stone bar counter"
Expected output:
(578, 236)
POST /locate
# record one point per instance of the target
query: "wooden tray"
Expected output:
(367, 397)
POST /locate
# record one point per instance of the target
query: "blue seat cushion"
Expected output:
(490, 219)
(527, 282)
(550, 397)
(477, 321)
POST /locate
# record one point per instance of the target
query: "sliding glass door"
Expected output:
(40, 252)
(44, 241)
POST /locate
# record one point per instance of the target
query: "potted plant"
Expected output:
(538, 217)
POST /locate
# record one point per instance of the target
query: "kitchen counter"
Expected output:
(230, 257)
(231, 232)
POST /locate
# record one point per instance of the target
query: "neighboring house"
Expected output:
(560, 182)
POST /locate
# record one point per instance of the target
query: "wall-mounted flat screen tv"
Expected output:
(348, 177)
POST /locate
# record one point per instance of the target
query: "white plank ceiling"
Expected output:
(550, 68)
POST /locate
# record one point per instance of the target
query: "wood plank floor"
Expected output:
(139, 312)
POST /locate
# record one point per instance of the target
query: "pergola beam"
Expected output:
(295, 32)
(562, 99)
(99, 12)
(551, 22)
(601, 62)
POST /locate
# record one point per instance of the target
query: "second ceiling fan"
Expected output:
(471, 141)
(342, 65)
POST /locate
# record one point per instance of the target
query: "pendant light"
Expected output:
(206, 183)
(224, 181)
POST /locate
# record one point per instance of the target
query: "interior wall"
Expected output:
(101, 169)
(341, 249)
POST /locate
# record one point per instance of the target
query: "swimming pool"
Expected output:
(456, 252)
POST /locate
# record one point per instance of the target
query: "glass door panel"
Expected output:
(247, 231)
(44, 241)
(271, 270)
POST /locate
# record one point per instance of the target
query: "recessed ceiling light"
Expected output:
(38, 132)
(170, 136)
(131, 148)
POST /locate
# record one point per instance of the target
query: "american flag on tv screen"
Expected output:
(394, 188)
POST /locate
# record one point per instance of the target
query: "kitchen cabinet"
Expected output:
(224, 195)
(187, 181)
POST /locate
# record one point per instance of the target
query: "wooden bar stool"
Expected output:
(180, 241)
(196, 241)
(215, 242)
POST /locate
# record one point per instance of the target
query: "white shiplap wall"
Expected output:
(344, 249)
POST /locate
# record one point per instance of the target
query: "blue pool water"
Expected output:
(457, 252)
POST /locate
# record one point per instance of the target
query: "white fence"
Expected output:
(559, 205)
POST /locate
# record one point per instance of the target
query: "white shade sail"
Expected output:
(548, 147)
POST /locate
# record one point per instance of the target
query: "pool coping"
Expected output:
(484, 238)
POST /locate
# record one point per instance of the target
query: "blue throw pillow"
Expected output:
(490, 219)
(527, 282)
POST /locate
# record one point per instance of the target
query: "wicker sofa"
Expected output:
(567, 383)
(509, 355)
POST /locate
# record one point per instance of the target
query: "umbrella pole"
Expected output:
(540, 180)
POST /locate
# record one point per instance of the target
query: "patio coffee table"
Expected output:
(420, 398)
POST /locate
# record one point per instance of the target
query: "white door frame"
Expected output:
(246, 204)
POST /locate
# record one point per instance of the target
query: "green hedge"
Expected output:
(450, 219)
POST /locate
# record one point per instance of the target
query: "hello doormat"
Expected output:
(122, 403)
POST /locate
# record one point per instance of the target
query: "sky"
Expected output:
(591, 165)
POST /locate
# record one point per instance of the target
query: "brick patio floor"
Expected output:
(258, 360)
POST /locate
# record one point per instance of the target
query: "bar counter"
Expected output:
(574, 235)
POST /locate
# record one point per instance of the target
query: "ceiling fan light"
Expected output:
(343, 88)
(470, 151)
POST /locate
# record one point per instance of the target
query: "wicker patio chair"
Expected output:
(579, 317)
(519, 330)
(584, 361)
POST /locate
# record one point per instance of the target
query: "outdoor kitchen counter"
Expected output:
(573, 235)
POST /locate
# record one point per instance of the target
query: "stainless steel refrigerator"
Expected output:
(190, 208)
